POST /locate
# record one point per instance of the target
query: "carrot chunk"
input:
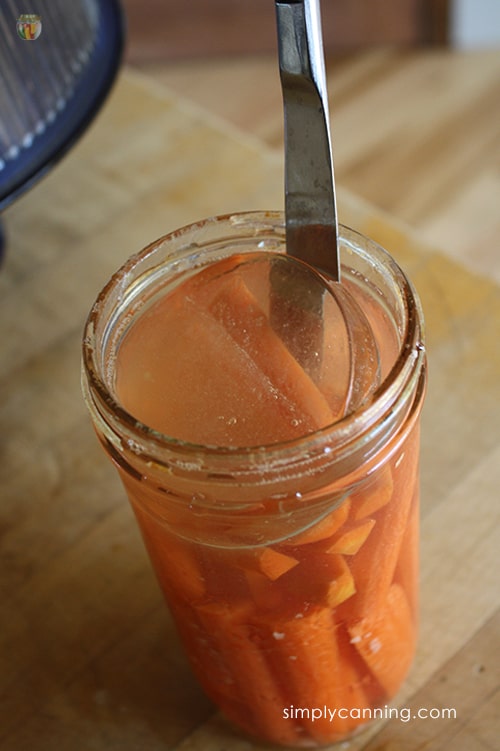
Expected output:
(342, 586)
(325, 527)
(385, 639)
(269, 562)
(350, 541)
(323, 580)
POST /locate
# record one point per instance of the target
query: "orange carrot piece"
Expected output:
(385, 639)
(325, 527)
(202, 650)
(376, 495)
(342, 586)
(322, 580)
(321, 671)
(374, 565)
(265, 595)
(350, 541)
(181, 570)
(407, 567)
(268, 561)
(255, 687)
(361, 691)
(174, 563)
(304, 651)
(239, 312)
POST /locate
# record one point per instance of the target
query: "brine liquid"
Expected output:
(225, 360)
(322, 614)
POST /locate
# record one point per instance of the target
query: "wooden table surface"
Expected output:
(415, 132)
(88, 656)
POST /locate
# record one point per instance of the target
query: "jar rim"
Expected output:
(160, 448)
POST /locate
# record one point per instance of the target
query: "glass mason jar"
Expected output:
(290, 569)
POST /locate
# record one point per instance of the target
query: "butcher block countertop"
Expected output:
(89, 660)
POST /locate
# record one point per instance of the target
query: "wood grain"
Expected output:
(415, 133)
(89, 657)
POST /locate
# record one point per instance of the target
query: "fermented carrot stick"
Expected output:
(209, 654)
(408, 560)
(180, 569)
(385, 639)
(202, 650)
(186, 570)
(255, 686)
(175, 565)
(361, 691)
(374, 565)
(304, 651)
(237, 309)
(321, 670)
